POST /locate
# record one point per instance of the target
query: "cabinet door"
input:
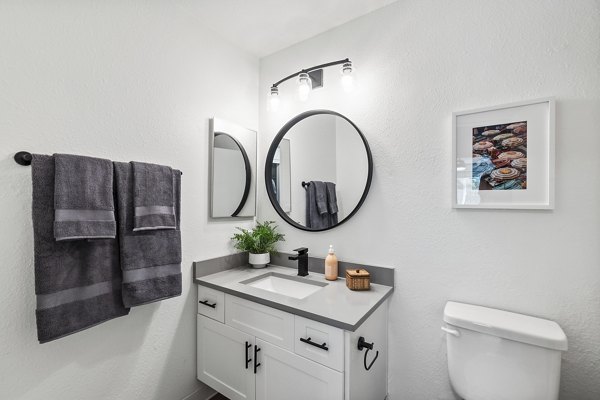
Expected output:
(222, 362)
(285, 375)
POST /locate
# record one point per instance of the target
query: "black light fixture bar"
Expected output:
(307, 70)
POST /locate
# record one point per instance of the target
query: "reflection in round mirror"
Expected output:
(318, 170)
(231, 176)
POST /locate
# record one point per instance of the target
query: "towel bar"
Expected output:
(24, 158)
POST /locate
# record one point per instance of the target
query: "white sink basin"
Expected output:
(287, 285)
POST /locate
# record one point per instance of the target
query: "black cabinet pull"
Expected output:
(248, 345)
(321, 346)
(256, 350)
(206, 303)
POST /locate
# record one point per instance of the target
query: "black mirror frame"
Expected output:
(248, 172)
(271, 154)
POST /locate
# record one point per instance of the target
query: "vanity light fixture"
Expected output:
(310, 78)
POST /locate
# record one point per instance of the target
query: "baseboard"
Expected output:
(202, 393)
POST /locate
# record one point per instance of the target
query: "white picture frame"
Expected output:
(486, 142)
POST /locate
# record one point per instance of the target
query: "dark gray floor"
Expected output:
(218, 396)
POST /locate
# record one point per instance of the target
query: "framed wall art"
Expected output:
(504, 156)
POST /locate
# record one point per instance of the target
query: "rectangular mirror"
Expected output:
(233, 170)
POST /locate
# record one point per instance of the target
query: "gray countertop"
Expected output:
(333, 304)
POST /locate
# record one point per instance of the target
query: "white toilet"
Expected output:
(500, 355)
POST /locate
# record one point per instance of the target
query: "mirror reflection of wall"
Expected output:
(233, 155)
(281, 175)
(326, 148)
(320, 147)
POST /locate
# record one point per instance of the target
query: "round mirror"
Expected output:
(318, 170)
(232, 176)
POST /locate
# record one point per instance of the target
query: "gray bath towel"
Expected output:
(332, 206)
(150, 259)
(314, 218)
(83, 198)
(77, 283)
(320, 196)
(153, 197)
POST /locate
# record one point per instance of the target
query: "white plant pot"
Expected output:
(259, 260)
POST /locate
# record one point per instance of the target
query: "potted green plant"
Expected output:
(258, 242)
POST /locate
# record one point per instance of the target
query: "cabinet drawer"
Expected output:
(211, 303)
(319, 342)
(269, 324)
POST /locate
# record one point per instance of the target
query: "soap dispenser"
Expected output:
(331, 265)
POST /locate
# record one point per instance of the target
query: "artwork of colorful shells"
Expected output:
(500, 157)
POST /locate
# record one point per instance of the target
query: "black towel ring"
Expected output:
(369, 346)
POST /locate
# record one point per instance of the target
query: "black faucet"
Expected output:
(302, 258)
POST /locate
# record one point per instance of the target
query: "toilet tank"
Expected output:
(500, 355)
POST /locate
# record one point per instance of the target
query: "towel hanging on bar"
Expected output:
(150, 260)
(153, 197)
(83, 198)
(77, 283)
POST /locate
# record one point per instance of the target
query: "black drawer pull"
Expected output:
(206, 303)
(248, 360)
(321, 346)
(256, 350)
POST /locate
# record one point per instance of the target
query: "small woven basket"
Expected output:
(358, 279)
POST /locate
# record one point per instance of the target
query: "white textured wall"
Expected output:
(132, 80)
(417, 62)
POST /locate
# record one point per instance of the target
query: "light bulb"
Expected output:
(348, 83)
(304, 86)
(347, 77)
(274, 98)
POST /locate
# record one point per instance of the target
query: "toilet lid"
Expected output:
(506, 324)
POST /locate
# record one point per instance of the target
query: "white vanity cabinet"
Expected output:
(250, 351)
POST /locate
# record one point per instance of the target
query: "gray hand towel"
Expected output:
(314, 218)
(150, 259)
(83, 198)
(77, 283)
(320, 196)
(332, 206)
(153, 197)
